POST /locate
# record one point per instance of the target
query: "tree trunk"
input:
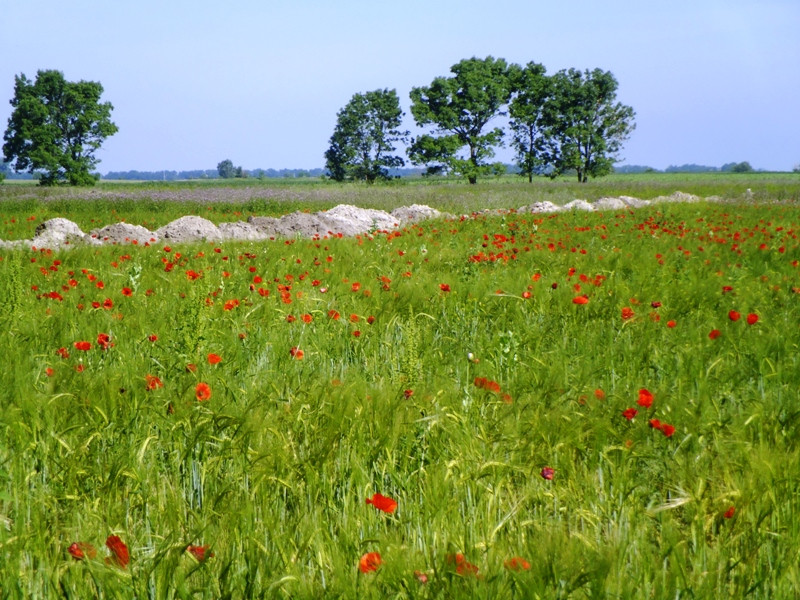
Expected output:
(472, 179)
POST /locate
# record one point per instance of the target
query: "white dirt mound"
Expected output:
(57, 232)
(541, 207)
(124, 233)
(610, 204)
(417, 212)
(578, 205)
(361, 220)
(344, 219)
(189, 229)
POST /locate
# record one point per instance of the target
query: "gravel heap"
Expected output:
(342, 220)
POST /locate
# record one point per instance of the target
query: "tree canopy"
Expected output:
(459, 108)
(56, 127)
(531, 90)
(227, 170)
(363, 141)
(584, 126)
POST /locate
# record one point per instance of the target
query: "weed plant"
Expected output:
(579, 405)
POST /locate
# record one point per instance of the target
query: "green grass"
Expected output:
(272, 471)
(154, 204)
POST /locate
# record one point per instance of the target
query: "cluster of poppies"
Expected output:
(120, 556)
(371, 561)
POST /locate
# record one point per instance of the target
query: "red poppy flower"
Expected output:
(81, 550)
(355, 287)
(369, 562)
(656, 304)
(383, 503)
(630, 413)
(752, 319)
(104, 341)
(526, 295)
(153, 382)
(62, 352)
(599, 394)
(734, 315)
(126, 291)
(421, 576)
(49, 371)
(84, 346)
(202, 392)
(547, 473)
(671, 324)
(654, 423)
(517, 564)
(108, 304)
(200, 553)
(667, 429)
(152, 337)
(296, 353)
(306, 318)
(645, 398)
(627, 313)
(291, 318)
(408, 393)
(333, 314)
(462, 566)
(580, 300)
(213, 359)
(726, 289)
(445, 287)
(714, 334)
(119, 552)
(730, 512)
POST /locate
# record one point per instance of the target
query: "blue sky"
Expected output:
(194, 82)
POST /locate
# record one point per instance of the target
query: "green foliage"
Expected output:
(584, 125)
(226, 169)
(367, 129)
(459, 108)
(531, 90)
(55, 128)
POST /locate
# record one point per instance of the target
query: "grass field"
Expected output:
(579, 405)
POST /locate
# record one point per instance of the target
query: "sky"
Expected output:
(195, 82)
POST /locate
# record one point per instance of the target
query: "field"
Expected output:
(578, 405)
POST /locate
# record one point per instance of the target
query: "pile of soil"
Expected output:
(342, 220)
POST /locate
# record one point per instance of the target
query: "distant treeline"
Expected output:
(740, 167)
(209, 174)
(397, 172)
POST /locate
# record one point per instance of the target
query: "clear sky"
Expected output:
(194, 82)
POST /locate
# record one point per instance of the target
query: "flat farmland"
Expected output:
(515, 405)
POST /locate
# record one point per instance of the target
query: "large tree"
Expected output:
(531, 90)
(584, 125)
(459, 108)
(363, 140)
(55, 128)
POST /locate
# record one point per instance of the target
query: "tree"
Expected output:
(531, 90)
(459, 108)
(584, 126)
(363, 140)
(56, 127)
(226, 169)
